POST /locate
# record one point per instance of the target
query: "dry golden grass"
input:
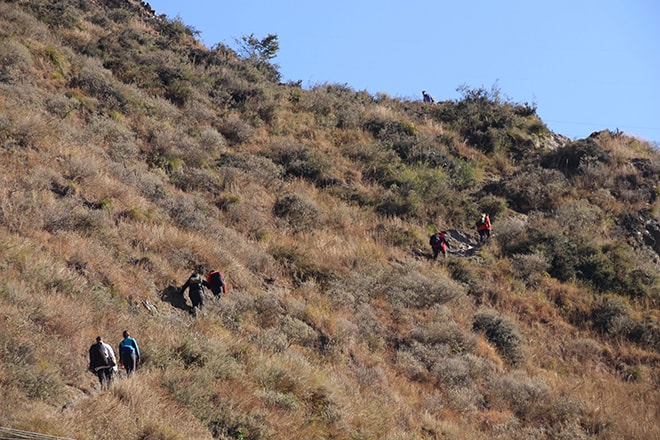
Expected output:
(335, 324)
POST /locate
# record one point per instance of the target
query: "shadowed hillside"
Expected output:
(132, 155)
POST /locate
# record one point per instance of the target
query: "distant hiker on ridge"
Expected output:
(196, 293)
(427, 97)
(129, 353)
(102, 362)
(438, 242)
(484, 227)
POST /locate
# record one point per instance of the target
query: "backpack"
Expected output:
(126, 349)
(215, 280)
(104, 356)
(435, 239)
(480, 222)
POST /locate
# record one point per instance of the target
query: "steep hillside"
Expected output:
(132, 155)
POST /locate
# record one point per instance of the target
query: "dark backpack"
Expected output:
(126, 349)
(435, 239)
(102, 355)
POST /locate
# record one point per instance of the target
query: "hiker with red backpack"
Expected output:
(438, 242)
(216, 282)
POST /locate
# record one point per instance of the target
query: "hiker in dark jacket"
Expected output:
(102, 362)
(196, 285)
(129, 353)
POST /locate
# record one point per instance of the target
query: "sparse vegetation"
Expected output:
(132, 154)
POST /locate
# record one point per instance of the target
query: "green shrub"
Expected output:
(482, 117)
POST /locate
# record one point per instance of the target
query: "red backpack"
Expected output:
(216, 282)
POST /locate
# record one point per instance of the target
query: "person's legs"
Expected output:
(105, 377)
(196, 299)
(129, 363)
(109, 373)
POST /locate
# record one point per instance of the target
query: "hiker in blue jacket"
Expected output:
(129, 353)
(427, 97)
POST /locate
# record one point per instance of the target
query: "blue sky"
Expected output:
(587, 65)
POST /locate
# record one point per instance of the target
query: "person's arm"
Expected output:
(185, 286)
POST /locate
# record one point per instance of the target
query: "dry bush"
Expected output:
(535, 189)
(115, 137)
(412, 288)
(300, 213)
(235, 129)
(500, 332)
(299, 160)
(96, 81)
(531, 268)
(443, 330)
(580, 217)
(19, 23)
(187, 211)
(519, 392)
(239, 169)
(16, 62)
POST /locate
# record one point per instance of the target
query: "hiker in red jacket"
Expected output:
(438, 242)
(484, 227)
